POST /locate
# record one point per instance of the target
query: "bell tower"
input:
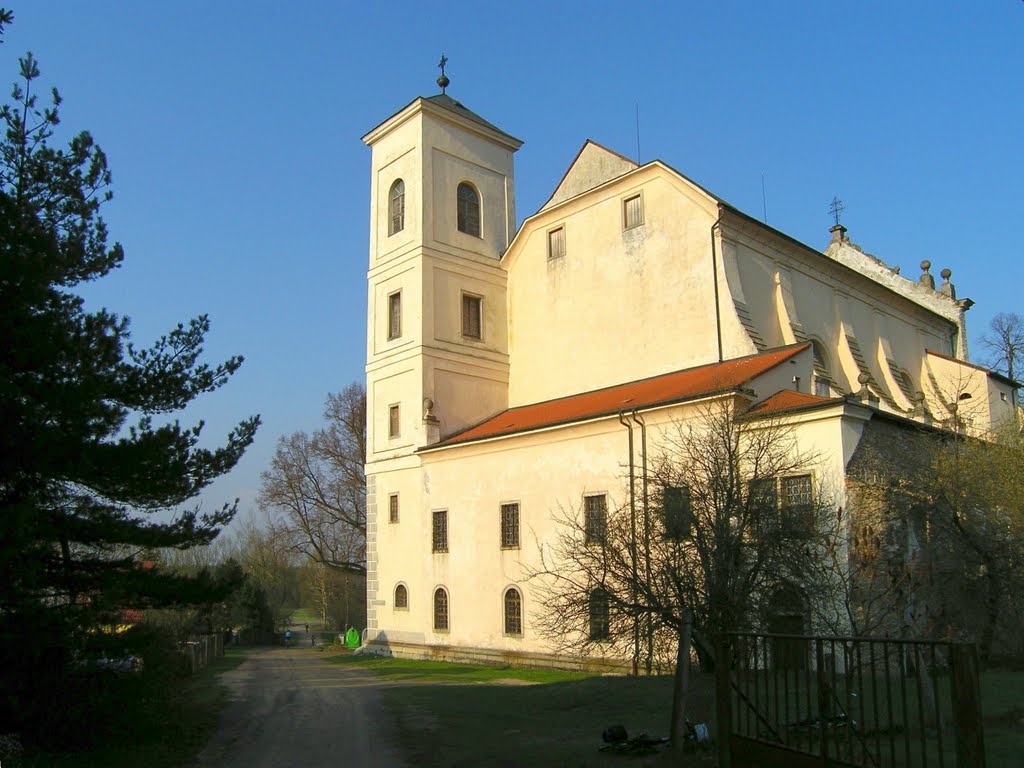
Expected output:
(442, 212)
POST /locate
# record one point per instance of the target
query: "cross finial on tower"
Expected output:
(836, 209)
(443, 79)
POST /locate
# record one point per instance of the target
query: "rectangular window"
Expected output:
(393, 508)
(677, 512)
(595, 518)
(632, 212)
(600, 615)
(509, 526)
(395, 315)
(471, 316)
(439, 537)
(763, 504)
(394, 424)
(556, 243)
(797, 507)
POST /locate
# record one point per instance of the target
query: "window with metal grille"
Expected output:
(632, 212)
(513, 612)
(440, 610)
(468, 209)
(393, 508)
(401, 596)
(510, 526)
(396, 207)
(595, 518)
(763, 503)
(395, 315)
(439, 533)
(797, 507)
(470, 316)
(556, 243)
(393, 421)
(600, 615)
(677, 512)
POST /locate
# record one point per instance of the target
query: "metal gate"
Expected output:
(795, 701)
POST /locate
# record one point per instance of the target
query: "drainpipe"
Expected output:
(647, 530)
(714, 277)
(632, 544)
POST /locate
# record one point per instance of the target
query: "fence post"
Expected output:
(824, 699)
(723, 701)
(966, 691)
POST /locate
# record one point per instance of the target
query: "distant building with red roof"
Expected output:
(508, 366)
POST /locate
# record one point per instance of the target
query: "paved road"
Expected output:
(291, 708)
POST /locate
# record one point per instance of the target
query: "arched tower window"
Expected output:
(396, 207)
(513, 612)
(469, 209)
(401, 596)
(440, 609)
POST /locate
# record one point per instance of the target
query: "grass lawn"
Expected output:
(305, 616)
(1002, 697)
(166, 739)
(470, 715)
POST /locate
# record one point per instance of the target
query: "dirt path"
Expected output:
(291, 708)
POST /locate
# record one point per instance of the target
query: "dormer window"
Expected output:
(396, 207)
(469, 209)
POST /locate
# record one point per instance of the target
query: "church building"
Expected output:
(505, 364)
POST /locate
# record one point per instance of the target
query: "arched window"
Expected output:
(600, 617)
(440, 610)
(513, 612)
(396, 207)
(469, 210)
(401, 596)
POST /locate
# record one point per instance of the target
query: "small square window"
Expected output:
(394, 315)
(595, 518)
(394, 423)
(632, 212)
(509, 526)
(471, 316)
(439, 533)
(393, 508)
(556, 243)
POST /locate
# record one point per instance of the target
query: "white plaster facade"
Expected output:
(653, 275)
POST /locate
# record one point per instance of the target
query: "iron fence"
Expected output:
(795, 700)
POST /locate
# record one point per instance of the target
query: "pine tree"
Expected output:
(88, 448)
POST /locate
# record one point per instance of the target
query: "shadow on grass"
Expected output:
(556, 724)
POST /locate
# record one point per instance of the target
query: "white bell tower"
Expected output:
(442, 213)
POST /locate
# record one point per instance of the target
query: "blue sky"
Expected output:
(241, 185)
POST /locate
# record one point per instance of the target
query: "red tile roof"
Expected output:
(788, 400)
(658, 390)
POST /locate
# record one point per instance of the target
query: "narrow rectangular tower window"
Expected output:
(393, 508)
(470, 316)
(395, 315)
(439, 532)
(393, 421)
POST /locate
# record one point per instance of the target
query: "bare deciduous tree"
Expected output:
(734, 520)
(316, 483)
(1005, 343)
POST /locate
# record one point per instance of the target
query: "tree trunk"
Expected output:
(681, 687)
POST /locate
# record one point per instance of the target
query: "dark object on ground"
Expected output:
(617, 740)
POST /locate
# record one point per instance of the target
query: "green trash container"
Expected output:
(352, 638)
